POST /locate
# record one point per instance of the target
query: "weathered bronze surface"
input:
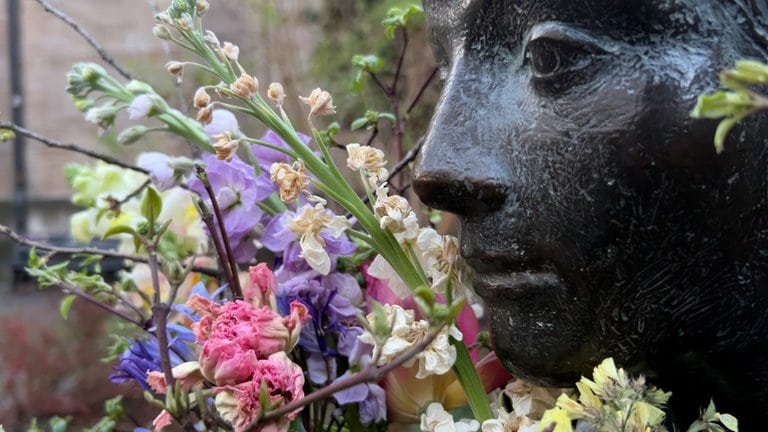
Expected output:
(595, 212)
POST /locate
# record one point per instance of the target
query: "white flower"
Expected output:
(308, 224)
(437, 419)
(160, 170)
(139, 107)
(436, 359)
(222, 122)
(230, 51)
(369, 159)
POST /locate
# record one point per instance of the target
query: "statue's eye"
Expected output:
(550, 59)
(555, 51)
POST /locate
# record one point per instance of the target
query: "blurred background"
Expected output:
(49, 366)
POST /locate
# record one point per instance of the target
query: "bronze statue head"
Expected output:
(594, 210)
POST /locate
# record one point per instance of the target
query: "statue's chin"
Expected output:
(540, 333)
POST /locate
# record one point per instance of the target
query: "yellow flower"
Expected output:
(558, 417)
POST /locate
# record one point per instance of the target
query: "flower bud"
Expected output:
(245, 86)
(161, 32)
(204, 116)
(276, 94)
(202, 7)
(174, 67)
(132, 134)
(211, 39)
(139, 87)
(202, 99)
(230, 51)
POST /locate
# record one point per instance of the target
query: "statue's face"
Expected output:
(595, 212)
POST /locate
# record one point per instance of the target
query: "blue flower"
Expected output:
(143, 356)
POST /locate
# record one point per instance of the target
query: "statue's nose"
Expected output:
(454, 191)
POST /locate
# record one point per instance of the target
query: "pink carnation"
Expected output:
(283, 383)
(262, 287)
(226, 362)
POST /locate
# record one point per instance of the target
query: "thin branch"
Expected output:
(234, 284)
(422, 89)
(135, 193)
(369, 373)
(4, 229)
(160, 312)
(69, 147)
(91, 41)
(71, 289)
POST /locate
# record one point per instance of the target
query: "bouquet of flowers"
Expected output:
(266, 293)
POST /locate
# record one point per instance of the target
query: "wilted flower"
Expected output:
(320, 102)
(174, 67)
(369, 159)
(205, 114)
(225, 146)
(202, 98)
(437, 419)
(291, 180)
(276, 94)
(230, 51)
(437, 358)
(245, 86)
(308, 224)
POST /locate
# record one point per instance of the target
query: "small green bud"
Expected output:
(92, 72)
(139, 87)
(82, 104)
(6, 135)
(132, 134)
(202, 7)
(161, 32)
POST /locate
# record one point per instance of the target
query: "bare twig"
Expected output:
(422, 89)
(207, 217)
(71, 289)
(69, 147)
(160, 312)
(81, 31)
(234, 284)
(370, 373)
(89, 250)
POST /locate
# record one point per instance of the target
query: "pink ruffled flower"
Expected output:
(282, 382)
(237, 334)
(225, 362)
(262, 287)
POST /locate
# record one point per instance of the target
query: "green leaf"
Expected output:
(6, 135)
(114, 407)
(118, 229)
(399, 17)
(66, 305)
(358, 123)
(59, 424)
(730, 422)
(470, 382)
(152, 205)
(721, 104)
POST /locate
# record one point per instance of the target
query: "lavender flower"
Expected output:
(370, 397)
(267, 156)
(237, 191)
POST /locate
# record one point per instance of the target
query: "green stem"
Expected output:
(467, 375)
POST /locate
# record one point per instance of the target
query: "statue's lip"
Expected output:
(505, 284)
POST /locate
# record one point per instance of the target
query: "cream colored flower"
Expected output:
(308, 224)
(369, 159)
(437, 419)
(320, 102)
(230, 51)
(291, 180)
(225, 146)
(436, 359)
(245, 86)
(395, 214)
(276, 94)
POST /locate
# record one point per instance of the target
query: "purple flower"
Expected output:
(370, 397)
(267, 156)
(160, 170)
(222, 122)
(237, 191)
(144, 355)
